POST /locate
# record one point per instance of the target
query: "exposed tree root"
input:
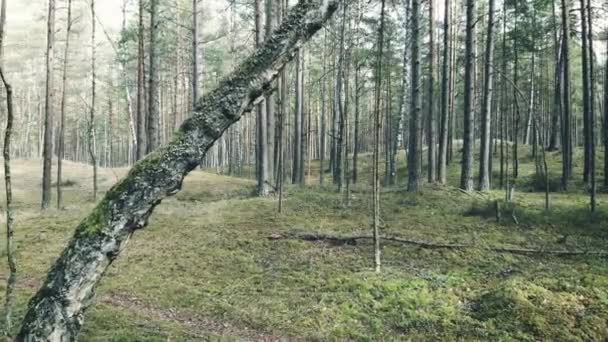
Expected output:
(338, 240)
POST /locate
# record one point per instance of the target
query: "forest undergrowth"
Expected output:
(217, 262)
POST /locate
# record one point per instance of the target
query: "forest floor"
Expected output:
(217, 262)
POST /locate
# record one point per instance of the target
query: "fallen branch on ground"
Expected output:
(352, 240)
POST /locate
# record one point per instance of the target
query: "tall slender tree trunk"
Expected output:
(92, 152)
(338, 106)
(61, 153)
(262, 173)
(297, 177)
(197, 54)
(271, 18)
(11, 281)
(466, 180)
(431, 124)
(10, 243)
(2, 28)
(153, 88)
(484, 165)
(566, 97)
(132, 116)
(376, 158)
(605, 128)
(356, 138)
(445, 82)
(141, 107)
(555, 140)
(586, 75)
(48, 111)
(591, 118)
(413, 156)
(323, 111)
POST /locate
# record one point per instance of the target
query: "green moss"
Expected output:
(207, 254)
(96, 221)
(534, 311)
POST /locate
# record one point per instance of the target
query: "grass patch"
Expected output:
(205, 267)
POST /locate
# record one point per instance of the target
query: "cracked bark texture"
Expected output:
(56, 312)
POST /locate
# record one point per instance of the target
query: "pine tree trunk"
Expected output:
(271, 19)
(356, 140)
(48, 111)
(338, 106)
(555, 141)
(445, 96)
(586, 88)
(197, 57)
(466, 180)
(61, 154)
(432, 154)
(262, 173)
(141, 109)
(605, 127)
(153, 87)
(92, 150)
(298, 146)
(591, 117)
(485, 152)
(565, 96)
(413, 156)
(323, 119)
(376, 158)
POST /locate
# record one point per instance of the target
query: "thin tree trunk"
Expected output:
(141, 107)
(297, 177)
(57, 309)
(376, 159)
(61, 153)
(338, 106)
(153, 87)
(466, 180)
(356, 139)
(413, 164)
(92, 152)
(586, 88)
(504, 118)
(270, 100)
(10, 244)
(432, 154)
(555, 141)
(196, 55)
(591, 118)
(48, 112)
(123, 70)
(605, 128)
(445, 81)
(323, 120)
(565, 96)
(262, 173)
(484, 165)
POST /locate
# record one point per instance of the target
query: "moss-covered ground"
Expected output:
(209, 265)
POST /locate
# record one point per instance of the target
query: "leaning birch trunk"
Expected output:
(56, 312)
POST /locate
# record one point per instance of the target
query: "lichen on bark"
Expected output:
(56, 312)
